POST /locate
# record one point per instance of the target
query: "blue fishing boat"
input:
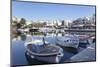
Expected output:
(43, 51)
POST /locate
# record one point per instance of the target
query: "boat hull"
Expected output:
(47, 59)
(47, 53)
(63, 44)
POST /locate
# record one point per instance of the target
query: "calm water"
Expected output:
(20, 58)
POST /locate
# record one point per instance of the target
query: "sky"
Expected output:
(50, 11)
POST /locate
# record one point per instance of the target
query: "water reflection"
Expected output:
(19, 56)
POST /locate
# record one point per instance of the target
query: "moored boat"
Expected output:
(43, 51)
(68, 41)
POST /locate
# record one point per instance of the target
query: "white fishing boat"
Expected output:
(43, 51)
(68, 41)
